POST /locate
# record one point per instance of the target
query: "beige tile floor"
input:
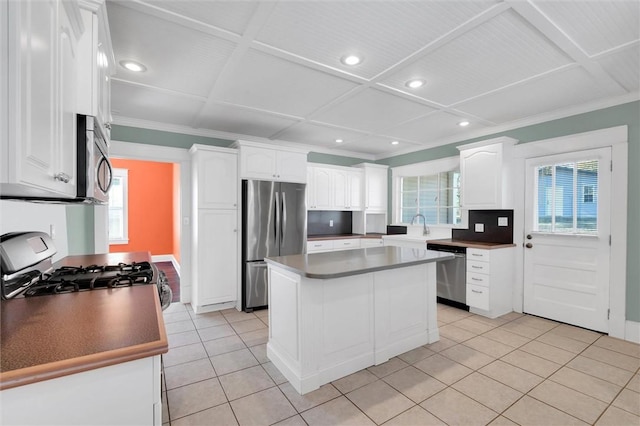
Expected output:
(517, 369)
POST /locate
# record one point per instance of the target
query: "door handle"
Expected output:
(276, 223)
(528, 245)
(283, 225)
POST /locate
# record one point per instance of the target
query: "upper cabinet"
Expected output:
(39, 144)
(319, 188)
(96, 63)
(215, 177)
(334, 188)
(375, 187)
(264, 162)
(484, 170)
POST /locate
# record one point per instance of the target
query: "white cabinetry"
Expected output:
(39, 150)
(375, 187)
(129, 395)
(264, 162)
(96, 63)
(320, 246)
(490, 277)
(319, 189)
(347, 190)
(215, 239)
(485, 174)
(334, 188)
(371, 242)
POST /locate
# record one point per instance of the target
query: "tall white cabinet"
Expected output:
(38, 146)
(216, 265)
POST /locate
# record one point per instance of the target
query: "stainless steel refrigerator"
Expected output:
(274, 223)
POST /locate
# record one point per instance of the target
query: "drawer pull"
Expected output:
(476, 291)
(476, 254)
(317, 245)
(476, 267)
(477, 279)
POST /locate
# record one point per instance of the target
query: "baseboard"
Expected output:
(167, 258)
(632, 331)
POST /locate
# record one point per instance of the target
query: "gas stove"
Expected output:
(27, 271)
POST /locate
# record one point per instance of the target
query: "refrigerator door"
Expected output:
(255, 290)
(259, 223)
(293, 217)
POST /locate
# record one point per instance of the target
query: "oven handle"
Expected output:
(104, 160)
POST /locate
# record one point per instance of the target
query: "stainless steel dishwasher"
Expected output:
(452, 276)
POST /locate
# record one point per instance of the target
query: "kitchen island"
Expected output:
(89, 357)
(332, 314)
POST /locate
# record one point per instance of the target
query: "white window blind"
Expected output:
(435, 196)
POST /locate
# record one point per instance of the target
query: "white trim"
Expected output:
(632, 331)
(165, 154)
(617, 139)
(124, 174)
(118, 242)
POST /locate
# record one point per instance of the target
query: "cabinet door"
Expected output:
(217, 180)
(67, 103)
(257, 163)
(376, 187)
(341, 193)
(481, 172)
(321, 190)
(291, 167)
(217, 254)
(355, 190)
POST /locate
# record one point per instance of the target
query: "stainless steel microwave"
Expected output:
(94, 173)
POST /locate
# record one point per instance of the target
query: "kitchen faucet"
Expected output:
(425, 229)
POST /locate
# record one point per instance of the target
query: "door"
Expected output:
(255, 288)
(293, 218)
(259, 219)
(567, 225)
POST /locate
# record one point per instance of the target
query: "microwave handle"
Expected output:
(110, 178)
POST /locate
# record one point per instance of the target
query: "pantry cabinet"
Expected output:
(485, 174)
(39, 150)
(490, 276)
(258, 161)
(215, 227)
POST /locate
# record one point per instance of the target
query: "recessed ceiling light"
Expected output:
(351, 60)
(133, 66)
(394, 142)
(464, 123)
(414, 84)
(339, 141)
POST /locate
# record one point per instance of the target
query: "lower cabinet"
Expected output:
(320, 246)
(215, 269)
(490, 277)
(371, 242)
(122, 394)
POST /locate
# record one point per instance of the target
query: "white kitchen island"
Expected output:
(332, 314)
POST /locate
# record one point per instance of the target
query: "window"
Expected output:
(118, 215)
(436, 196)
(560, 208)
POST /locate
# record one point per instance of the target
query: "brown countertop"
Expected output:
(342, 236)
(57, 335)
(471, 244)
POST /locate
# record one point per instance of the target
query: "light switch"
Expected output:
(479, 227)
(503, 221)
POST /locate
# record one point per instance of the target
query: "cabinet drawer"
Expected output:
(477, 279)
(478, 297)
(477, 254)
(476, 266)
(371, 242)
(316, 246)
(346, 244)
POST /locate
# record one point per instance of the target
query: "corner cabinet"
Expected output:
(39, 146)
(485, 174)
(215, 251)
(265, 162)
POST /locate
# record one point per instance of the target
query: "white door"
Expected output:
(567, 225)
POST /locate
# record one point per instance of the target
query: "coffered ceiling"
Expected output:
(272, 70)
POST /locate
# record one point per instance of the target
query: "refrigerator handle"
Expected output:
(283, 226)
(276, 223)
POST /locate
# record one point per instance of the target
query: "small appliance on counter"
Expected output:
(274, 223)
(27, 271)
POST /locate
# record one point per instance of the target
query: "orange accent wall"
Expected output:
(176, 211)
(150, 201)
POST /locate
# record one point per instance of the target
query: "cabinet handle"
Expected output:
(235, 230)
(476, 267)
(476, 254)
(62, 177)
(476, 291)
(476, 279)
(107, 125)
(235, 205)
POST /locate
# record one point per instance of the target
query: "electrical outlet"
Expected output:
(503, 221)
(331, 222)
(479, 227)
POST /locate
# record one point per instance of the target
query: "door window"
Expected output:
(567, 197)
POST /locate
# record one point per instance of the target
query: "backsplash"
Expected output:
(497, 227)
(318, 222)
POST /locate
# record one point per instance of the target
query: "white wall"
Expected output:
(19, 216)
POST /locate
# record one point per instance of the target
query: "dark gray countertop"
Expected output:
(344, 263)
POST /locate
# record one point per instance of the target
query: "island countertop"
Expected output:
(52, 336)
(354, 262)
